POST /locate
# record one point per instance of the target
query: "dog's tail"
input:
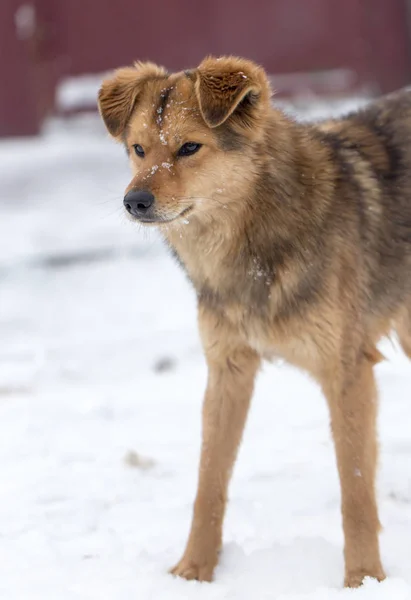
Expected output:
(403, 329)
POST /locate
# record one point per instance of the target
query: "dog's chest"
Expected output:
(247, 296)
(274, 340)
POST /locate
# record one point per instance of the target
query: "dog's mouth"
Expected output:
(156, 220)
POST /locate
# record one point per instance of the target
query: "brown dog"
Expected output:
(297, 239)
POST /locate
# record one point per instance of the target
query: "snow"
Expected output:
(101, 383)
(79, 91)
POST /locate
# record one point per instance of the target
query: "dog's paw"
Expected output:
(200, 570)
(356, 579)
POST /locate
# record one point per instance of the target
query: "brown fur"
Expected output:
(297, 239)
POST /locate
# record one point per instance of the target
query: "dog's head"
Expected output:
(191, 136)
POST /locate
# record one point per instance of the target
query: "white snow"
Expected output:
(79, 92)
(101, 383)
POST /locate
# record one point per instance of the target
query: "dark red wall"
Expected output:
(368, 37)
(18, 109)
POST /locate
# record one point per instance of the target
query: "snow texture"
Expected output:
(101, 383)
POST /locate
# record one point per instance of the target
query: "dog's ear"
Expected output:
(118, 95)
(226, 86)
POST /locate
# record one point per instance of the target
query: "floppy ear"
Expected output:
(118, 95)
(226, 85)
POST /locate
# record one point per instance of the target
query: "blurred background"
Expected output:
(101, 369)
(318, 46)
(62, 179)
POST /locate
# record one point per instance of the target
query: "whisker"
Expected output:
(114, 199)
(117, 210)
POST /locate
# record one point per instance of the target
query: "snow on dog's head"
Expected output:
(187, 135)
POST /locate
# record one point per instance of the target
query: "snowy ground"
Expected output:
(100, 358)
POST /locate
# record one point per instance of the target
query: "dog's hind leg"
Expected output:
(352, 398)
(232, 369)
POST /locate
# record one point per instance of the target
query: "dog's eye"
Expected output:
(189, 148)
(139, 150)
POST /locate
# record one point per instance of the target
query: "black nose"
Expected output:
(138, 202)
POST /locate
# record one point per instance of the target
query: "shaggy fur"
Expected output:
(297, 240)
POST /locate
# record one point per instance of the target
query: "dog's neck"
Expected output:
(241, 251)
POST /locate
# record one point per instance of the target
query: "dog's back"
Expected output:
(373, 150)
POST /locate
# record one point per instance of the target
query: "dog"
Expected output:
(297, 240)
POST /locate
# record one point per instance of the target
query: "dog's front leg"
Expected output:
(352, 398)
(232, 369)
